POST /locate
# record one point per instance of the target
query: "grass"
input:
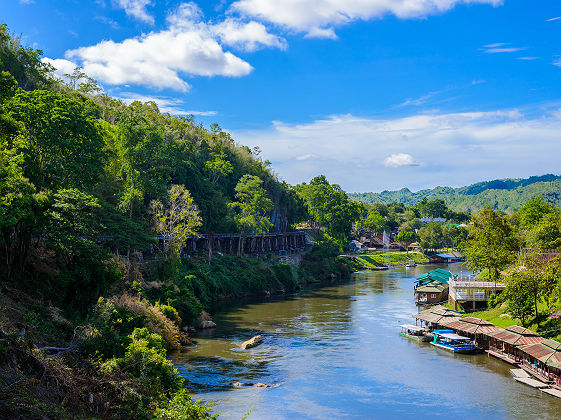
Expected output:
(376, 259)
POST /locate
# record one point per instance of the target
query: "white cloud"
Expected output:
(247, 36)
(318, 17)
(501, 47)
(400, 159)
(420, 100)
(552, 19)
(528, 58)
(188, 47)
(61, 66)
(454, 148)
(557, 62)
(136, 9)
(172, 106)
(26, 1)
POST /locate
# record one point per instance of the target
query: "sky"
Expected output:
(374, 94)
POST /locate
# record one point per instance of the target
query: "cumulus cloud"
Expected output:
(188, 47)
(400, 159)
(363, 154)
(318, 17)
(136, 9)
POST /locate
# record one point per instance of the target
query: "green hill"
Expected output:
(504, 194)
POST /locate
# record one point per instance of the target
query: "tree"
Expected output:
(407, 238)
(431, 235)
(177, 220)
(252, 205)
(24, 64)
(491, 243)
(373, 222)
(520, 303)
(534, 210)
(218, 167)
(433, 208)
(330, 206)
(64, 145)
(545, 233)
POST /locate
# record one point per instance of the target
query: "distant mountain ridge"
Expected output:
(503, 194)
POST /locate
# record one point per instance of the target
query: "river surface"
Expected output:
(335, 353)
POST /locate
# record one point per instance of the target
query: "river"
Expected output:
(335, 352)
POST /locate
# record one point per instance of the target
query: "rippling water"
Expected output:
(335, 352)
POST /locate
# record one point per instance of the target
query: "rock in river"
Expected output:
(255, 341)
(207, 324)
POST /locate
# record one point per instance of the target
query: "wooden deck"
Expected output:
(553, 392)
(519, 373)
(532, 382)
(503, 357)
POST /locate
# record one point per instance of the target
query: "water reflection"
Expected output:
(335, 353)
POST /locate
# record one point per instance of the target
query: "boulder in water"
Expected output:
(253, 342)
(207, 324)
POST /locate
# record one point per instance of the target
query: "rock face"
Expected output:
(253, 342)
(207, 324)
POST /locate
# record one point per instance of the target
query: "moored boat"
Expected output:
(414, 333)
(448, 340)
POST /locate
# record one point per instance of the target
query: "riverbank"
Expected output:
(112, 364)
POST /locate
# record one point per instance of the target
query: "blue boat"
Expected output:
(448, 340)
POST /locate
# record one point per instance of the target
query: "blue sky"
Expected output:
(375, 94)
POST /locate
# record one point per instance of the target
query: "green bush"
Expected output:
(145, 358)
(181, 407)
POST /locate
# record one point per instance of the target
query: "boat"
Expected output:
(414, 333)
(410, 264)
(448, 340)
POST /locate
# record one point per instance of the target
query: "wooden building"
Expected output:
(505, 343)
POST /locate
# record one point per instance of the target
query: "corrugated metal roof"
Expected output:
(487, 329)
(555, 360)
(506, 336)
(446, 320)
(552, 344)
(529, 339)
(520, 330)
(477, 321)
(538, 351)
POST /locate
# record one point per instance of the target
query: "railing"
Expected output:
(476, 284)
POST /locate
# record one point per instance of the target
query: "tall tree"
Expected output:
(176, 220)
(330, 206)
(252, 206)
(491, 243)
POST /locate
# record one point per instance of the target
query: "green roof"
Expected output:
(432, 287)
(436, 275)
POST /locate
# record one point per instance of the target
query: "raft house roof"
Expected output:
(432, 287)
(451, 256)
(471, 325)
(438, 315)
(548, 352)
(517, 336)
(436, 275)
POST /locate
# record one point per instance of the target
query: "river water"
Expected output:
(335, 352)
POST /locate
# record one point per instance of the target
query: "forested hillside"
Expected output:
(97, 201)
(501, 194)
